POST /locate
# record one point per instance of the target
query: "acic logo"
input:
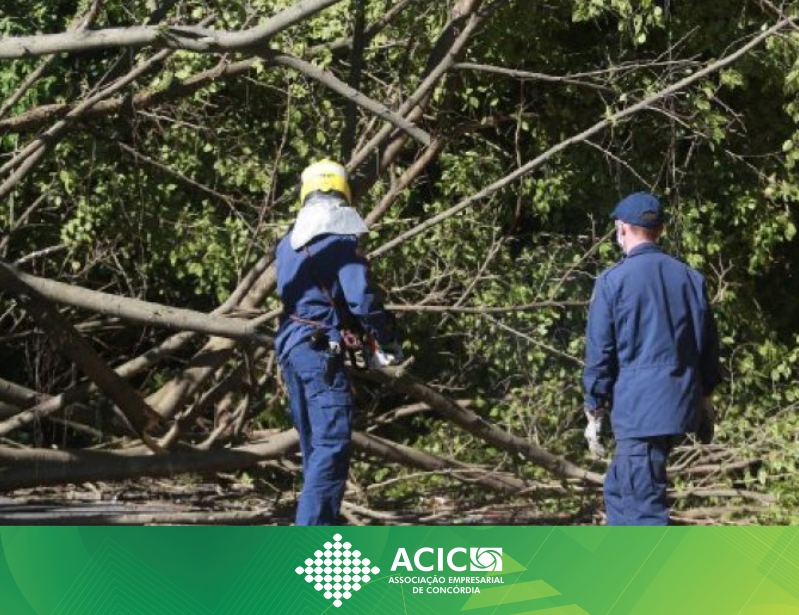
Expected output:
(427, 559)
(338, 571)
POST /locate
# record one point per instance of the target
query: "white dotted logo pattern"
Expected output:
(338, 571)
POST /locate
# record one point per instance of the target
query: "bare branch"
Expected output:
(37, 254)
(190, 38)
(36, 467)
(408, 456)
(530, 76)
(144, 312)
(329, 80)
(486, 309)
(354, 77)
(34, 118)
(17, 395)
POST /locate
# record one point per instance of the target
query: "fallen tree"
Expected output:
(430, 141)
(37, 467)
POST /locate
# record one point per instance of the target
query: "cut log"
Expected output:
(37, 467)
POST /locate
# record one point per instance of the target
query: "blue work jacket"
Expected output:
(334, 264)
(652, 345)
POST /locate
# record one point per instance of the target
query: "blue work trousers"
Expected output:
(321, 404)
(636, 482)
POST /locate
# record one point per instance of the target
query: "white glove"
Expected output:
(384, 356)
(593, 433)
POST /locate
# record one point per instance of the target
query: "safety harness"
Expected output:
(353, 341)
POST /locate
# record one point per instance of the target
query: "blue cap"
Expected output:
(640, 209)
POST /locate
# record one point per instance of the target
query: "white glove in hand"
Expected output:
(593, 433)
(385, 356)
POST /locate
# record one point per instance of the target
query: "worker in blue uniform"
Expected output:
(651, 361)
(323, 282)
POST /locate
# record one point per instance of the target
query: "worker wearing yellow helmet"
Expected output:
(326, 176)
(323, 281)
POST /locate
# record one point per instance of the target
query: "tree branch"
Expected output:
(529, 76)
(582, 136)
(34, 118)
(408, 456)
(48, 405)
(36, 467)
(69, 342)
(144, 312)
(329, 80)
(486, 309)
(470, 421)
(80, 25)
(189, 38)
(411, 108)
(35, 150)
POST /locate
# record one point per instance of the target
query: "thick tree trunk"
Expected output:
(36, 467)
(146, 312)
(191, 38)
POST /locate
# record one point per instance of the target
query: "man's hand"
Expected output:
(593, 431)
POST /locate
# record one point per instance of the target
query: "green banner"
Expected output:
(404, 570)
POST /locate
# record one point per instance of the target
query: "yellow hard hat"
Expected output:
(325, 176)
